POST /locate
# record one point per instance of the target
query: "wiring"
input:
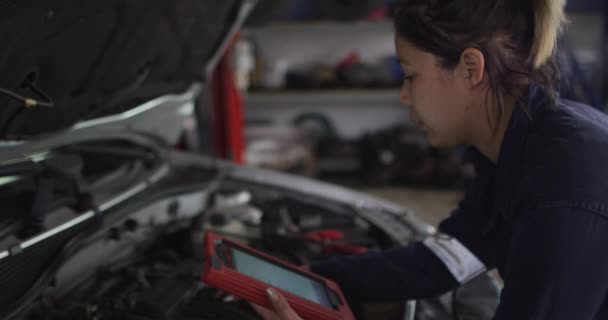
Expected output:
(30, 102)
(27, 103)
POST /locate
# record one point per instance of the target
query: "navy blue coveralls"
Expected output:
(539, 215)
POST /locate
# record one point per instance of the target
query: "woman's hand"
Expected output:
(281, 308)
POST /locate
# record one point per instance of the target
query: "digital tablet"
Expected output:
(246, 273)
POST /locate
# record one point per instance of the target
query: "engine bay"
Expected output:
(159, 276)
(126, 239)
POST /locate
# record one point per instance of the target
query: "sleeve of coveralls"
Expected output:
(420, 269)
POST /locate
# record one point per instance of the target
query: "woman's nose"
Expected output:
(404, 95)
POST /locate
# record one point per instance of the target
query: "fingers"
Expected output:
(281, 306)
(264, 313)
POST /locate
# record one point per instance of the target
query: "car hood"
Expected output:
(93, 59)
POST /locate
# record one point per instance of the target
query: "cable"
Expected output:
(30, 102)
(27, 102)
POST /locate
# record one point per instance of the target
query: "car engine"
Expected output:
(160, 278)
(139, 255)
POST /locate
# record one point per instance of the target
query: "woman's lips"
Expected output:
(416, 120)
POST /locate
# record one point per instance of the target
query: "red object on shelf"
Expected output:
(227, 131)
(350, 59)
(378, 13)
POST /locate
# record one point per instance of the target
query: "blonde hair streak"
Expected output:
(549, 21)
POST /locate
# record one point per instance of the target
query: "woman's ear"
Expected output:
(472, 62)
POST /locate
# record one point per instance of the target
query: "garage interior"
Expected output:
(325, 79)
(144, 143)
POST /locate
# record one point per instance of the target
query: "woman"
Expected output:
(482, 73)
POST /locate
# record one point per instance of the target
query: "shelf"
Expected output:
(350, 113)
(322, 23)
(347, 98)
(356, 91)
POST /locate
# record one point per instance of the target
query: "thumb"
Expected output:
(281, 306)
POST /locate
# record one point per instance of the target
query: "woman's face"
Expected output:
(439, 99)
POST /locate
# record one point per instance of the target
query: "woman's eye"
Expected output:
(408, 77)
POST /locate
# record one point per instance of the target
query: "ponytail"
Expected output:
(549, 20)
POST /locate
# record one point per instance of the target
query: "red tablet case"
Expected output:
(218, 274)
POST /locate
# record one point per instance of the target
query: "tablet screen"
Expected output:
(280, 277)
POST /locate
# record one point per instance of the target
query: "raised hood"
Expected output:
(93, 58)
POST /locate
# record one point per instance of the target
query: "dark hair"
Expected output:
(517, 37)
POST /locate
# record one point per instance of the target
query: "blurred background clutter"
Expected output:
(319, 86)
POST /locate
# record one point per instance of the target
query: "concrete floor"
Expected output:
(430, 205)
